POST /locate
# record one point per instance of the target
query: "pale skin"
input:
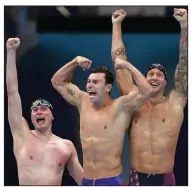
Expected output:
(41, 156)
(103, 121)
(156, 125)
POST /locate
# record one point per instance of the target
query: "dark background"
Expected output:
(49, 40)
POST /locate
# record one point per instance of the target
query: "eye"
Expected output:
(43, 108)
(160, 75)
(35, 109)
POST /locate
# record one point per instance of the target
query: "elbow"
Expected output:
(12, 91)
(54, 81)
(81, 179)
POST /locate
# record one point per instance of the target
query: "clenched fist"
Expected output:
(180, 14)
(120, 64)
(13, 43)
(118, 16)
(83, 62)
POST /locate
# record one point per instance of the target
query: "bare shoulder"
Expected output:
(69, 144)
(65, 142)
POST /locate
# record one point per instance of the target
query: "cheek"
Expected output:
(163, 82)
(148, 79)
(32, 117)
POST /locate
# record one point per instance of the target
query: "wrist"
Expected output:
(75, 61)
(117, 24)
(10, 50)
(184, 24)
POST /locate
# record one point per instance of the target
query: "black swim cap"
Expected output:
(158, 66)
(42, 102)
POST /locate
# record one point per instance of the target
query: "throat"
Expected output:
(103, 104)
(156, 100)
(44, 136)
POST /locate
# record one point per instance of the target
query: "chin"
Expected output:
(41, 127)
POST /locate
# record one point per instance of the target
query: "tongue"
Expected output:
(40, 121)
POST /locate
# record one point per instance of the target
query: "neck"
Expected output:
(102, 103)
(157, 98)
(45, 135)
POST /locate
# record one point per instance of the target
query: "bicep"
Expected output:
(70, 92)
(134, 100)
(73, 162)
(17, 123)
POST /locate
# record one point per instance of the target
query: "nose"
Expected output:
(154, 77)
(39, 111)
(89, 85)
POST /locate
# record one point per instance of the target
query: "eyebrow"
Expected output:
(93, 80)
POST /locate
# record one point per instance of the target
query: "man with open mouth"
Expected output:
(41, 156)
(156, 125)
(103, 121)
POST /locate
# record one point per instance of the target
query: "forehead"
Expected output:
(40, 107)
(155, 70)
(96, 76)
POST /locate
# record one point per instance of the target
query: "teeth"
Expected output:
(154, 84)
(92, 92)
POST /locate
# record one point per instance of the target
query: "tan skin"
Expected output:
(103, 121)
(156, 125)
(41, 156)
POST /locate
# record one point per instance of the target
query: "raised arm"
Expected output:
(178, 96)
(135, 99)
(61, 80)
(73, 165)
(123, 77)
(18, 125)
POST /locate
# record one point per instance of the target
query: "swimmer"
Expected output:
(103, 121)
(156, 125)
(41, 156)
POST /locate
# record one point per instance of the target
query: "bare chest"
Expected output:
(37, 153)
(160, 119)
(101, 123)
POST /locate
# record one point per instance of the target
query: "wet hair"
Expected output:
(158, 66)
(109, 77)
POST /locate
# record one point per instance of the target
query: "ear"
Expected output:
(109, 87)
(165, 83)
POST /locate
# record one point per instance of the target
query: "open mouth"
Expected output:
(154, 84)
(92, 93)
(40, 120)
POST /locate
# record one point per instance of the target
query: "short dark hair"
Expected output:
(109, 77)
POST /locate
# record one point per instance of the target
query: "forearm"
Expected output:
(142, 84)
(11, 72)
(77, 174)
(118, 48)
(124, 78)
(65, 73)
(181, 74)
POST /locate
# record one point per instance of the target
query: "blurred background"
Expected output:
(52, 36)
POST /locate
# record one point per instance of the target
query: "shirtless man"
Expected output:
(156, 126)
(41, 156)
(103, 121)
